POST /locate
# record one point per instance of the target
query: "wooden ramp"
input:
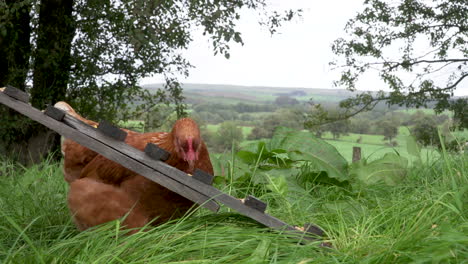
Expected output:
(108, 141)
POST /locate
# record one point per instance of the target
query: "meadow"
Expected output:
(422, 219)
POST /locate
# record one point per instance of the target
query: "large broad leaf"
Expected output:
(390, 170)
(413, 149)
(304, 146)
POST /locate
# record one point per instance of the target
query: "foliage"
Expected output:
(147, 39)
(425, 131)
(283, 100)
(228, 136)
(391, 169)
(388, 37)
(287, 117)
(92, 53)
(267, 166)
(390, 130)
(317, 113)
(259, 133)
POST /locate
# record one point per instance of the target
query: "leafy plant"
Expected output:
(391, 169)
(303, 146)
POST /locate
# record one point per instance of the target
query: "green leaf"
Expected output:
(304, 146)
(259, 255)
(277, 185)
(412, 146)
(247, 156)
(391, 169)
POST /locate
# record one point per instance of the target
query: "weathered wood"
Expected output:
(203, 176)
(155, 170)
(356, 154)
(313, 229)
(16, 93)
(125, 160)
(112, 131)
(55, 113)
(255, 203)
(156, 152)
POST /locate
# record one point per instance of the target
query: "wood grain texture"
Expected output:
(16, 93)
(255, 203)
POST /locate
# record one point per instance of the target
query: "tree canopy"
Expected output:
(93, 53)
(418, 48)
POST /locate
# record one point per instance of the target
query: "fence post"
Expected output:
(356, 154)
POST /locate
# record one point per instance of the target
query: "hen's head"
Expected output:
(187, 140)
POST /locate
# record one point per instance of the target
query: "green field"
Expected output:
(245, 130)
(373, 152)
(372, 146)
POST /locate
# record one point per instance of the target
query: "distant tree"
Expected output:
(390, 130)
(360, 125)
(284, 100)
(212, 118)
(407, 37)
(316, 113)
(228, 136)
(227, 115)
(318, 130)
(338, 128)
(425, 131)
(259, 133)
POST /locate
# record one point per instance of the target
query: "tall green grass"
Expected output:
(421, 220)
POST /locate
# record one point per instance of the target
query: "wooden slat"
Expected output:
(109, 152)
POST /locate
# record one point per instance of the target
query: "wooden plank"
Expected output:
(255, 203)
(110, 153)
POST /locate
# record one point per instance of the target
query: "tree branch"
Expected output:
(397, 64)
(456, 83)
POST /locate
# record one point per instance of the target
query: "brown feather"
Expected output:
(102, 190)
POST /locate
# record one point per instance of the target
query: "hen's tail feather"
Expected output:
(93, 203)
(69, 110)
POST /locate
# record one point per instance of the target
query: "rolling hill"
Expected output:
(231, 94)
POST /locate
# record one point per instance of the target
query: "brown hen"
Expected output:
(102, 190)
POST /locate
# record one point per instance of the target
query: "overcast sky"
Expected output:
(298, 56)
